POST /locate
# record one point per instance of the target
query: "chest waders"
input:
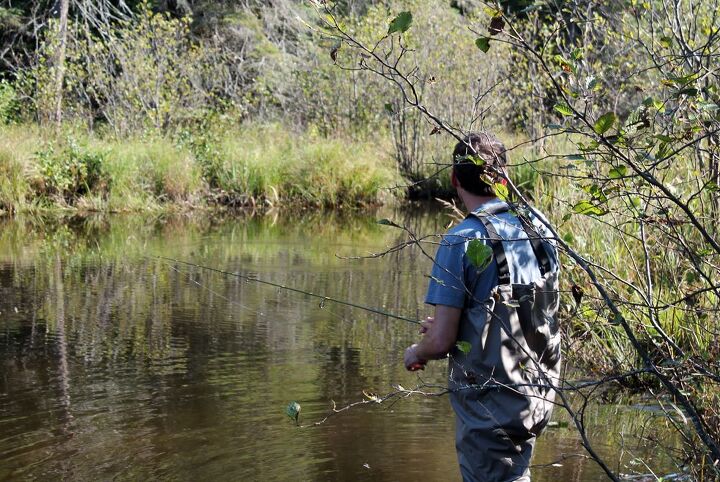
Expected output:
(501, 388)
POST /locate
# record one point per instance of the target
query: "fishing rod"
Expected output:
(323, 298)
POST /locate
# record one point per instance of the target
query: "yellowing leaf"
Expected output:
(501, 191)
(563, 109)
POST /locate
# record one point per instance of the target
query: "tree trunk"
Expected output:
(62, 13)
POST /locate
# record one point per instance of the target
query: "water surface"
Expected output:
(118, 365)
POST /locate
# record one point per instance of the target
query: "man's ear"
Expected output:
(454, 180)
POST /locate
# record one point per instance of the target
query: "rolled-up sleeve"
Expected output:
(447, 279)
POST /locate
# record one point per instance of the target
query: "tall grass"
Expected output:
(248, 165)
(16, 164)
(268, 163)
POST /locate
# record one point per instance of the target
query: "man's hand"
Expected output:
(439, 334)
(412, 361)
(425, 325)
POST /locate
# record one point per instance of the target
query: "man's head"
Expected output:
(477, 159)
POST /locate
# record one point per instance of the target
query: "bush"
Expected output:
(145, 73)
(9, 105)
(71, 171)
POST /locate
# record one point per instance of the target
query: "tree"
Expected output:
(62, 13)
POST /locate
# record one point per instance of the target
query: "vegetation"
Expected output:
(258, 166)
(611, 107)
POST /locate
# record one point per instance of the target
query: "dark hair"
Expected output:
(477, 157)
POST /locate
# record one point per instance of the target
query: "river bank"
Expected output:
(249, 166)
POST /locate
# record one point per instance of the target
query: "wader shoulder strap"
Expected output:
(498, 251)
(536, 243)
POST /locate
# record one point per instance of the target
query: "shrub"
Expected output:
(71, 171)
(9, 105)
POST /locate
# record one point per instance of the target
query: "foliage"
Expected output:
(145, 74)
(69, 172)
(248, 166)
(9, 105)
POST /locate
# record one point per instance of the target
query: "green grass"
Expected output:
(269, 164)
(16, 164)
(264, 165)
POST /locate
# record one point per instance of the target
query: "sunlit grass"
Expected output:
(258, 165)
(267, 162)
(16, 156)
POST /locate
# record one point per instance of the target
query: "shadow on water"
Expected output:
(120, 365)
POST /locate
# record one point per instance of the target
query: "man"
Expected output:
(495, 320)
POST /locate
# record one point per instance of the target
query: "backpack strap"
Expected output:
(536, 243)
(498, 250)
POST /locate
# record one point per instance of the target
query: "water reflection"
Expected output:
(120, 365)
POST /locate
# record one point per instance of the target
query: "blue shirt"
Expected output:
(453, 276)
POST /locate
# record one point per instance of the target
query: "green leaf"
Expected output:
(401, 23)
(666, 42)
(689, 91)
(501, 191)
(617, 172)
(293, 410)
(464, 347)
(568, 238)
(592, 84)
(483, 43)
(479, 254)
(387, 222)
(563, 109)
(588, 208)
(605, 122)
(477, 160)
(389, 108)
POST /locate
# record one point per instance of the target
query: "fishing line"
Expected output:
(189, 277)
(323, 298)
(215, 293)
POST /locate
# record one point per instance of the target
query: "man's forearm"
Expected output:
(426, 350)
(440, 334)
